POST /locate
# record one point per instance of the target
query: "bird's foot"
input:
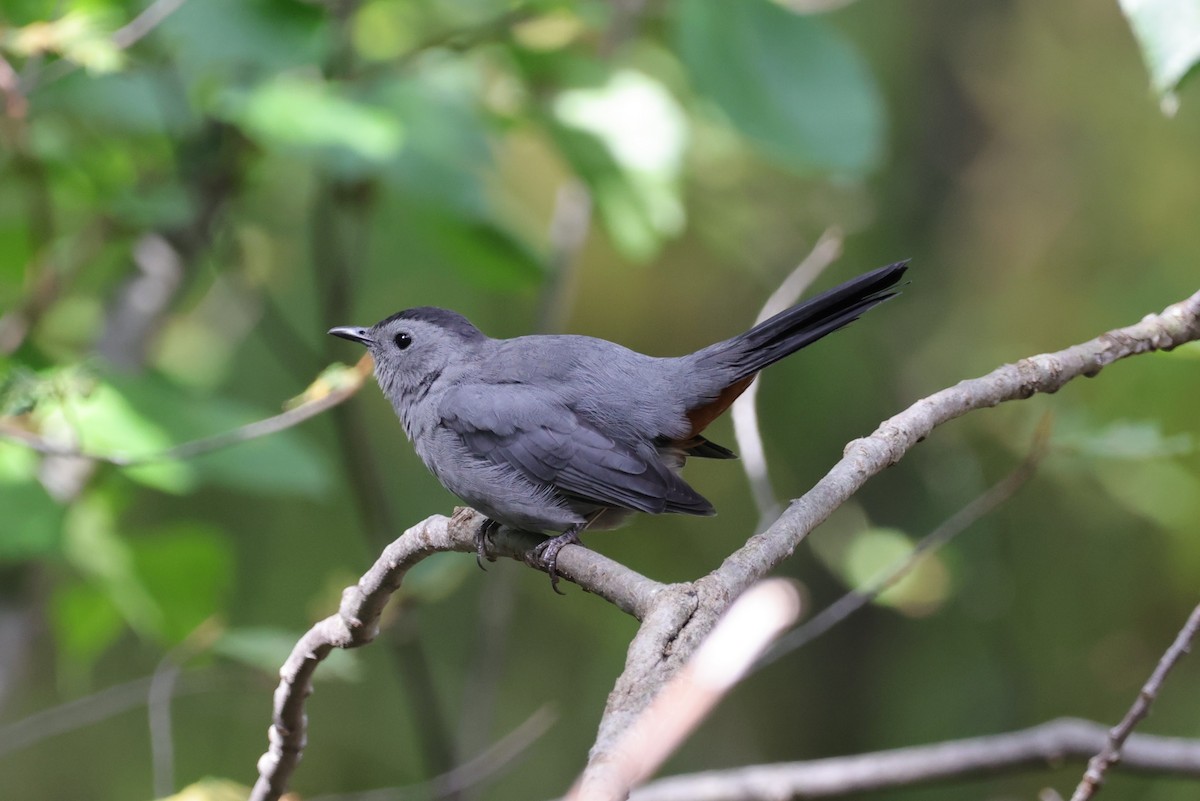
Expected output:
(482, 541)
(546, 552)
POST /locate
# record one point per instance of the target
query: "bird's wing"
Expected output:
(551, 444)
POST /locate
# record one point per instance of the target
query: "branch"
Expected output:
(316, 399)
(744, 412)
(357, 621)
(123, 38)
(741, 636)
(497, 759)
(683, 614)
(1046, 745)
(140, 26)
(1093, 777)
(97, 707)
(956, 524)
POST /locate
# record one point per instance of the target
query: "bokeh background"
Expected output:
(188, 202)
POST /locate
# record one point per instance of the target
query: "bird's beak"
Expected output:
(352, 333)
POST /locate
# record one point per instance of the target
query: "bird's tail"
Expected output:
(803, 324)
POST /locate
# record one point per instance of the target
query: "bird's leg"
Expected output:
(546, 551)
(486, 529)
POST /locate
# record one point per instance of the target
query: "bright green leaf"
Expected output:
(283, 462)
(790, 83)
(316, 119)
(874, 553)
(104, 421)
(80, 35)
(621, 207)
(1168, 32)
(643, 129)
(95, 549)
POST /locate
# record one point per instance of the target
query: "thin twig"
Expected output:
(1093, 777)
(493, 761)
(326, 398)
(163, 685)
(1046, 746)
(16, 105)
(140, 26)
(569, 227)
(744, 412)
(954, 525)
(94, 708)
(123, 38)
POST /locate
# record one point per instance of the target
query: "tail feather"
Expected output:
(801, 325)
(725, 369)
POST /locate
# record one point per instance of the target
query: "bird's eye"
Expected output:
(402, 340)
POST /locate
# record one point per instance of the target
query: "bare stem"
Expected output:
(1098, 766)
(1045, 746)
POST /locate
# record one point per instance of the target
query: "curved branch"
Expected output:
(357, 620)
(668, 636)
(319, 397)
(1046, 745)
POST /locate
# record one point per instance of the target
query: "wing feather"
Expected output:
(529, 430)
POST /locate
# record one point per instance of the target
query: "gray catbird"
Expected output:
(562, 433)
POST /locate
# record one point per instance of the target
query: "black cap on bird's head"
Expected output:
(413, 347)
(449, 321)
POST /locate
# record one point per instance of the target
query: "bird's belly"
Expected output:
(502, 493)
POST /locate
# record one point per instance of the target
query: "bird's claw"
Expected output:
(482, 535)
(546, 553)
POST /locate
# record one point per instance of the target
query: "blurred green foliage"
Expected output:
(187, 203)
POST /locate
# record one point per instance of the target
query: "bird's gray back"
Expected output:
(635, 396)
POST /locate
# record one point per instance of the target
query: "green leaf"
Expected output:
(81, 35)
(218, 42)
(318, 120)
(790, 83)
(1168, 32)
(283, 462)
(267, 649)
(187, 569)
(436, 578)
(873, 553)
(85, 622)
(104, 421)
(1124, 439)
(31, 523)
(480, 250)
(635, 183)
(93, 546)
(211, 789)
(1161, 491)
(622, 209)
